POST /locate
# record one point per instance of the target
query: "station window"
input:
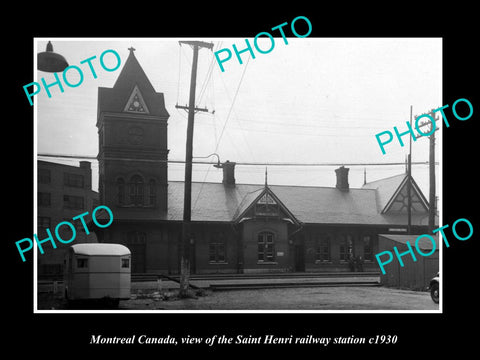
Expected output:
(266, 206)
(125, 263)
(266, 246)
(82, 263)
(136, 187)
(323, 248)
(368, 248)
(216, 248)
(346, 247)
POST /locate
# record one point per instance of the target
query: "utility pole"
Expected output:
(409, 182)
(186, 236)
(431, 162)
(431, 198)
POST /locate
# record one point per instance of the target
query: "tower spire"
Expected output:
(266, 177)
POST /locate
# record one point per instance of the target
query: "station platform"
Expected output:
(222, 282)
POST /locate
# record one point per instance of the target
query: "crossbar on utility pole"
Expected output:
(186, 236)
(188, 108)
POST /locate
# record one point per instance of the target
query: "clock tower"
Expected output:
(132, 134)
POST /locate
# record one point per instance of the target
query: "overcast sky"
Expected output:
(314, 100)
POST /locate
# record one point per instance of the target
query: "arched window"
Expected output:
(136, 190)
(152, 192)
(266, 246)
(121, 191)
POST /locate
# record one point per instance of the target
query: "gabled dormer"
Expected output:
(392, 195)
(399, 200)
(266, 206)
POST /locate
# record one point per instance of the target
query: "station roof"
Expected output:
(216, 202)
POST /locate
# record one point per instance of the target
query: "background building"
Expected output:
(63, 192)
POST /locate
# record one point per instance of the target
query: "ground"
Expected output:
(319, 298)
(302, 298)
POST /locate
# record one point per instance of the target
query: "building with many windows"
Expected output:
(63, 192)
(236, 228)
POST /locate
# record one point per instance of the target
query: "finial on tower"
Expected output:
(132, 49)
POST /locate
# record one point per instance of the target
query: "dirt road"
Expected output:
(320, 298)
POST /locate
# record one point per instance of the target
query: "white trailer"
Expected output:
(97, 271)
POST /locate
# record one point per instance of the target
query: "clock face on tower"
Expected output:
(135, 135)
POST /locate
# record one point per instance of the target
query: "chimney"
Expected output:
(86, 167)
(342, 178)
(229, 173)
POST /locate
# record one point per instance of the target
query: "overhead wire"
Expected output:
(246, 163)
(207, 79)
(232, 104)
(227, 93)
(179, 70)
(223, 129)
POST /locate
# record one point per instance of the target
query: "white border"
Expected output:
(35, 181)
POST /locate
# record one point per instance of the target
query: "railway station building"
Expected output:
(236, 228)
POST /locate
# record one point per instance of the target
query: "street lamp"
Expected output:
(50, 61)
(218, 165)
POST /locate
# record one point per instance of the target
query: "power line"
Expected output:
(248, 163)
(207, 79)
(232, 105)
(179, 71)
